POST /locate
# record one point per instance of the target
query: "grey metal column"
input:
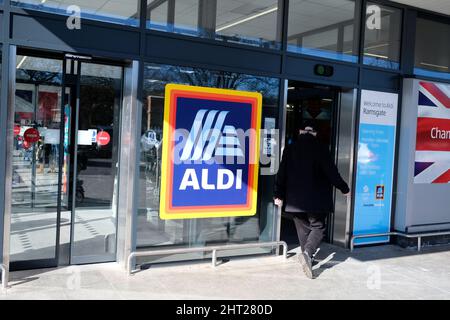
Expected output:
(130, 139)
(11, 76)
(282, 135)
(345, 143)
(3, 132)
(4, 33)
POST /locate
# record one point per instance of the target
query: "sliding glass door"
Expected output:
(96, 163)
(35, 162)
(64, 161)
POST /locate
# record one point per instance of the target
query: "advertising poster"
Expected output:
(85, 138)
(208, 170)
(432, 165)
(375, 165)
(51, 136)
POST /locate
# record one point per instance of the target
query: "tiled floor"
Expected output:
(383, 272)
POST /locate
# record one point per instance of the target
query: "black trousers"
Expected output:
(310, 231)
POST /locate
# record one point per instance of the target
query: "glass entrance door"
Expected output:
(64, 161)
(36, 154)
(319, 105)
(94, 174)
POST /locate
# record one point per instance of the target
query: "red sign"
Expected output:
(31, 135)
(103, 138)
(16, 130)
(433, 134)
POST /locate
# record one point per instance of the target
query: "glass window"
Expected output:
(323, 28)
(247, 21)
(382, 36)
(151, 230)
(114, 11)
(432, 54)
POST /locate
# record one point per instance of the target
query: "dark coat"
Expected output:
(306, 177)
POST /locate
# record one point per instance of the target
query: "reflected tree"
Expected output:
(156, 77)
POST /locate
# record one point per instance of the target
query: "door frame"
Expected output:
(74, 86)
(334, 146)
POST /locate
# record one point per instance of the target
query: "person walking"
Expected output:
(304, 184)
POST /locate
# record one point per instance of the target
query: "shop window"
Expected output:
(432, 53)
(323, 28)
(152, 231)
(249, 22)
(114, 11)
(382, 36)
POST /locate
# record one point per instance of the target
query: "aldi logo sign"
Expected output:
(211, 143)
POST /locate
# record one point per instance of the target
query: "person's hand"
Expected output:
(348, 195)
(278, 202)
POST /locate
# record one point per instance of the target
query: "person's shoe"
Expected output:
(306, 263)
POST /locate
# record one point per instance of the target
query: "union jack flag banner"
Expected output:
(433, 134)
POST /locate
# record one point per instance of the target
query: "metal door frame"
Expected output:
(74, 86)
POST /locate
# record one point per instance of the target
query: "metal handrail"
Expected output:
(5, 277)
(212, 249)
(419, 236)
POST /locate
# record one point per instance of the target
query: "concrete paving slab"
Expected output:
(383, 272)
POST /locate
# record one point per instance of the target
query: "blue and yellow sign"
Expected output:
(210, 160)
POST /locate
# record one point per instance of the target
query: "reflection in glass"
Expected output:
(254, 23)
(114, 11)
(94, 232)
(382, 36)
(323, 28)
(35, 158)
(432, 49)
(151, 230)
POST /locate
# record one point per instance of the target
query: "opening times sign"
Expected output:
(375, 165)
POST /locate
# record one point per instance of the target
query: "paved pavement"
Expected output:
(382, 272)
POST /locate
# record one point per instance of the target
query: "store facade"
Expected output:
(90, 81)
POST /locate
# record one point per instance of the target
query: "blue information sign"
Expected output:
(375, 164)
